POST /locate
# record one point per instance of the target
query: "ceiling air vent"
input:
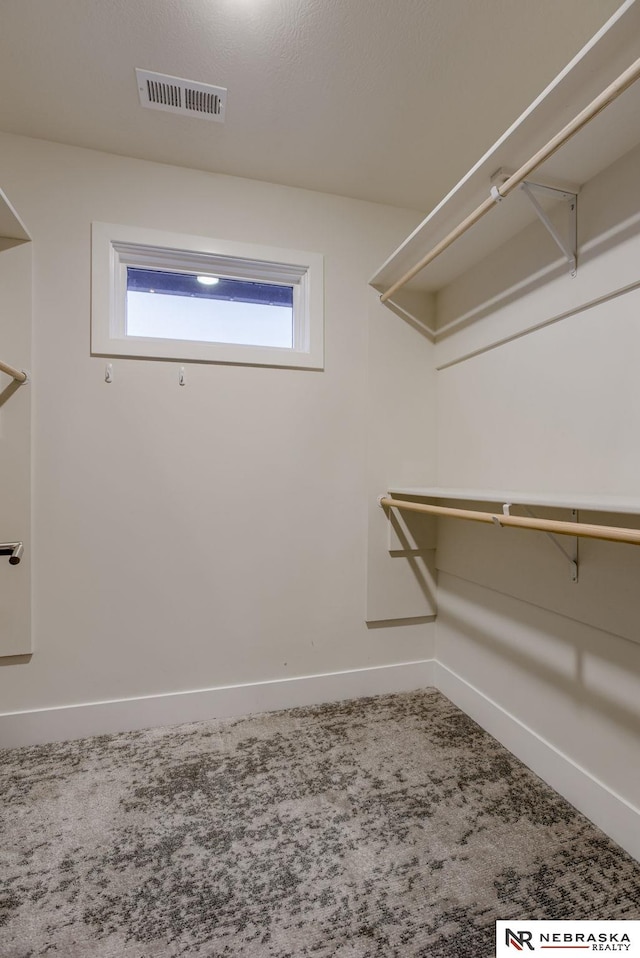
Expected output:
(160, 92)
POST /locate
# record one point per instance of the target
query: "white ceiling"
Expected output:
(385, 100)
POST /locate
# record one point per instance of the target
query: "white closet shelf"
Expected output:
(589, 503)
(603, 140)
(12, 229)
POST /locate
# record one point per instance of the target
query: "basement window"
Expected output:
(161, 295)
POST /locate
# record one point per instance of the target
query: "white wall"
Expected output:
(187, 538)
(554, 409)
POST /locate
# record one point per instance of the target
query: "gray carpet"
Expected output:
(389, 826)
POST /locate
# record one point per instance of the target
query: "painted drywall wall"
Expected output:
(199, 536)
(553, 409)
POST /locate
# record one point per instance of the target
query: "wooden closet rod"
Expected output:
(18, 374)
(624, 81)
(584, 529)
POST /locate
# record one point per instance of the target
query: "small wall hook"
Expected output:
(108, 373)
(181, 377)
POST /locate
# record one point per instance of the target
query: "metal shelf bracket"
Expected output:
(14, 550)
(572, 555)
(568, 247)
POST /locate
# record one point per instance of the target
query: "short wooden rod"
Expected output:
(623, 82)
(556, 526)
(18, 374)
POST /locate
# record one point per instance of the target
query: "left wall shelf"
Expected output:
(15, 432)
(12, 229)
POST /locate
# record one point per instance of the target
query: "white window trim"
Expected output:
(115, 247)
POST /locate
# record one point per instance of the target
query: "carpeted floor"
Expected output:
(389, 826)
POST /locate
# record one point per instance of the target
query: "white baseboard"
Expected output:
(62, 723)
(616, 817)
(613, 814)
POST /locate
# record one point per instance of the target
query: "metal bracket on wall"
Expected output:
(14, 550)
(572, 556)
(569, 247)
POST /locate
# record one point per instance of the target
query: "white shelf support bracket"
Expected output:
(572, 555)
(506, 511)
(568, 247)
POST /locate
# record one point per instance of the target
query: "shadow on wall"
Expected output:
(8, 391)
(521, 282)
(15, 659)
(412, 538)
(396, 623)
(573, 687)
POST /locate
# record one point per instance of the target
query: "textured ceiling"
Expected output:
(386, 100)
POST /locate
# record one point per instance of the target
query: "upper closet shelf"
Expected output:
(12, 229)
(605, 138)
(604, 503)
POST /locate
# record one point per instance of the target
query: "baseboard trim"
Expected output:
(62, 723)
(616, 817)
(613, 814)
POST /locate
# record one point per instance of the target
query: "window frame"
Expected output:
(115, 247)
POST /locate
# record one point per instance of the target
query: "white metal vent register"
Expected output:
(175, 95)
